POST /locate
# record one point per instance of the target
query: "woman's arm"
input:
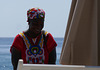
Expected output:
(15, 56)
(52, 57)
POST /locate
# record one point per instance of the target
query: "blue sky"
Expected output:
(13, 16)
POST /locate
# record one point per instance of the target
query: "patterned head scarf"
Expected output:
(35, 13)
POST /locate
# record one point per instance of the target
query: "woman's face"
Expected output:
(36, 25)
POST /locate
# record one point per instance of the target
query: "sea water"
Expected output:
(5, 56)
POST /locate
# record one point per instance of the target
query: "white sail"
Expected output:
(80, 45)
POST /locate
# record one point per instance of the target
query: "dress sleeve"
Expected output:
(17, 43)
(51, 43)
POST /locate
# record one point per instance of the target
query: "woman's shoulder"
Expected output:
(47, 34)
(19, 36)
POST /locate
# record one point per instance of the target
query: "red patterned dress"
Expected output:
(34, 50)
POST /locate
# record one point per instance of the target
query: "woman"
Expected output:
(34, 46)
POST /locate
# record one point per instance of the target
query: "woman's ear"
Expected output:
(28, 20)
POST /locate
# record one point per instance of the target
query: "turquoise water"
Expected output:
(5, 56)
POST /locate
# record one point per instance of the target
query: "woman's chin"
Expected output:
(36, 32)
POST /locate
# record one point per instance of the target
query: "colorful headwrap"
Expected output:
(35, 13)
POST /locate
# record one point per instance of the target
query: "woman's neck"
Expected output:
(30, 34)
